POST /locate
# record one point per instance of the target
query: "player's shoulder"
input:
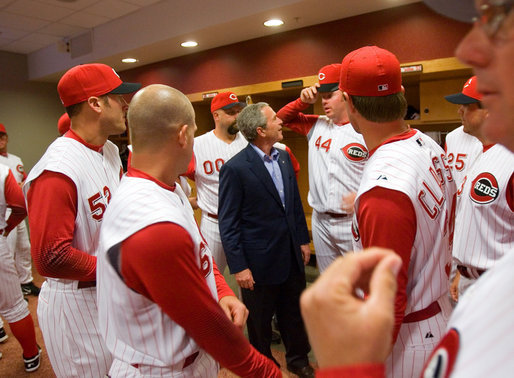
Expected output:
(209, 135)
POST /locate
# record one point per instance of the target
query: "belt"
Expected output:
(212, 215)
(86, 284)
(188, 361)
(336, 215)
(468, 272)
(417, 316)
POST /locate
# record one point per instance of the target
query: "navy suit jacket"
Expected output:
(257, 232)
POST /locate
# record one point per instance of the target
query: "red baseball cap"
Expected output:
(63, 124)
(225, 100)
(328, 77)
(469, 94)
(370, 71)
(2, 128)
(87, 80)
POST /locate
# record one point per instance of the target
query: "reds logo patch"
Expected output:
(484, 188)
(19, 168)
(440, 364)
(321, 76)
(355, 152)
(355, 232)
(233, 97)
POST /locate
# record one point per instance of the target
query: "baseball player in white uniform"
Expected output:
(176, 329)
(404, 202)
(78, 174)
(211, 151)
(337, 155)
(18, 240)
(12, 306)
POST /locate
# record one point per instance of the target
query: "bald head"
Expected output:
(156, 112)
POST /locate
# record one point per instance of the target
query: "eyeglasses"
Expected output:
(492, 14)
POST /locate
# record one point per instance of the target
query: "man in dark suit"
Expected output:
(265, 236)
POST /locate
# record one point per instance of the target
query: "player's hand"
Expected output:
(235, 310)
(342, 327)
(454, 287)
(348, 201)
(306, 253)
(244, 279)
(194, 202)
(310, 95)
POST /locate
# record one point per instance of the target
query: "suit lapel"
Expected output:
(285, 177)
(257, 167)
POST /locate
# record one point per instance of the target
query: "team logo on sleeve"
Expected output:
(355, 152)
(19, 168)
(484, 188)
(205, 261)
(441, 362)
(355, 232)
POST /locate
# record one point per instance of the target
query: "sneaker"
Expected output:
(30, 289)
(32, 363)
(3, 335)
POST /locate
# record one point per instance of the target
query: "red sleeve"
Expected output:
(296, 164)
(15, 201)
(186, 298)
(52, 205)
(387, 219)
(353, 371)
(190, 173)
(295, 120)
(221, 285)
(510, 192)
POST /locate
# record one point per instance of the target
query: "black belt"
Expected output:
(336, 215)
(86, 284)
(465, 271)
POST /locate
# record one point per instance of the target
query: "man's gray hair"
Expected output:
(250, 119)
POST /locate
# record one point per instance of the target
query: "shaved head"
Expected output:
(156, 112)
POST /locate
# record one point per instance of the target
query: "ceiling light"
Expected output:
(189, 44)
(129, 60)
(274, 22)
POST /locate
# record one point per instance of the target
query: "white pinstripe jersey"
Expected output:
(462, 150)
(210, 154)
(16, 165)
(96, 176)
(4, 172)
(484, 228)
(414, 166)
(337, 155)
(136, 330)
(484, 323)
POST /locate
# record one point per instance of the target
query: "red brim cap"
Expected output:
(328, 77)
(64, 124)
(2, 128)
(225, 101)
(460, 10)
(87, 80)
(370, 71)
(469, 94)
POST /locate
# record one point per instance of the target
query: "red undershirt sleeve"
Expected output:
(294, 161)
(295, 120)
(387, 219)
(15, 201)
(52, 205)
(185, 297)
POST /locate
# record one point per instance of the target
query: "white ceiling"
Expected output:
(150, 30)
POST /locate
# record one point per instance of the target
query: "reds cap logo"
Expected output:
(484, 188)
(321, 76)
(355, 152)
(233, 96)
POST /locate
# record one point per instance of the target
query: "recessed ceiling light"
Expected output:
(274, 22)
(189, 44)
(129, 60)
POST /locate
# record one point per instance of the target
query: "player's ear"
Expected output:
(94, 103)
(403, 89)
(182, 135)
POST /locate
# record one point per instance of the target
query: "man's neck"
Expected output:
(341, 120)
(89, 133)
(263, 145)
(375, 134)
(165, 171)
(224, 135)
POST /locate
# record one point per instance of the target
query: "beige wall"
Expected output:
(28, 110)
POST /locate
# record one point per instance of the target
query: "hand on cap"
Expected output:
(343, 328)
(310, 95)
